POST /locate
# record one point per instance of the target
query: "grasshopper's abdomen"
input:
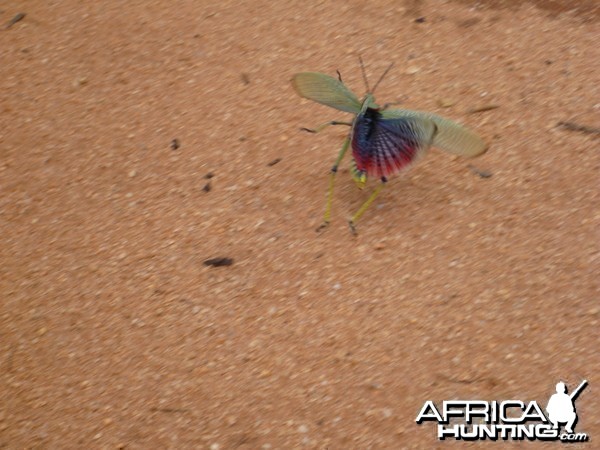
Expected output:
(382, 147)
(364, 128)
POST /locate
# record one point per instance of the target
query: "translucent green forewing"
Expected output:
(450, 136)
(326, 90)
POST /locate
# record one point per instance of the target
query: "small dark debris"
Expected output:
(245, 78)
(480, 172)
(209, 175)
(242, 138)
(175, 144)
(207, 187)
(18, 17)
(275, 161)
(218, 262)
(547, 62)
(308, 130)
(572, 126)
(420, 20)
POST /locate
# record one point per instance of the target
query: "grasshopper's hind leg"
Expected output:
(365, 205)
(327, 215)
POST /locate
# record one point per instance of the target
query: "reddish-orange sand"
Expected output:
(113, 332)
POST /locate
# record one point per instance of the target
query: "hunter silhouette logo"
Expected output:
(561, 407)
(472, 420)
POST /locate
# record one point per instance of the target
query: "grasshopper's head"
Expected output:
(368, 101)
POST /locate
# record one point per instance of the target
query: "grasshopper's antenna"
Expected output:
(364, 74)
(382, 76)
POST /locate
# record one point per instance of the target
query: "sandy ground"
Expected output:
(115, 334)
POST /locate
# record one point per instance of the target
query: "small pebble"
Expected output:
(81, 81)
(480, 172)
(445, 102)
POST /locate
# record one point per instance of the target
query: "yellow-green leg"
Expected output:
(365, 205)
(327, 215)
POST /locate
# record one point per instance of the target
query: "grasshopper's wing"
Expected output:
(391, 144)
(326, 90)
(450, 137)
